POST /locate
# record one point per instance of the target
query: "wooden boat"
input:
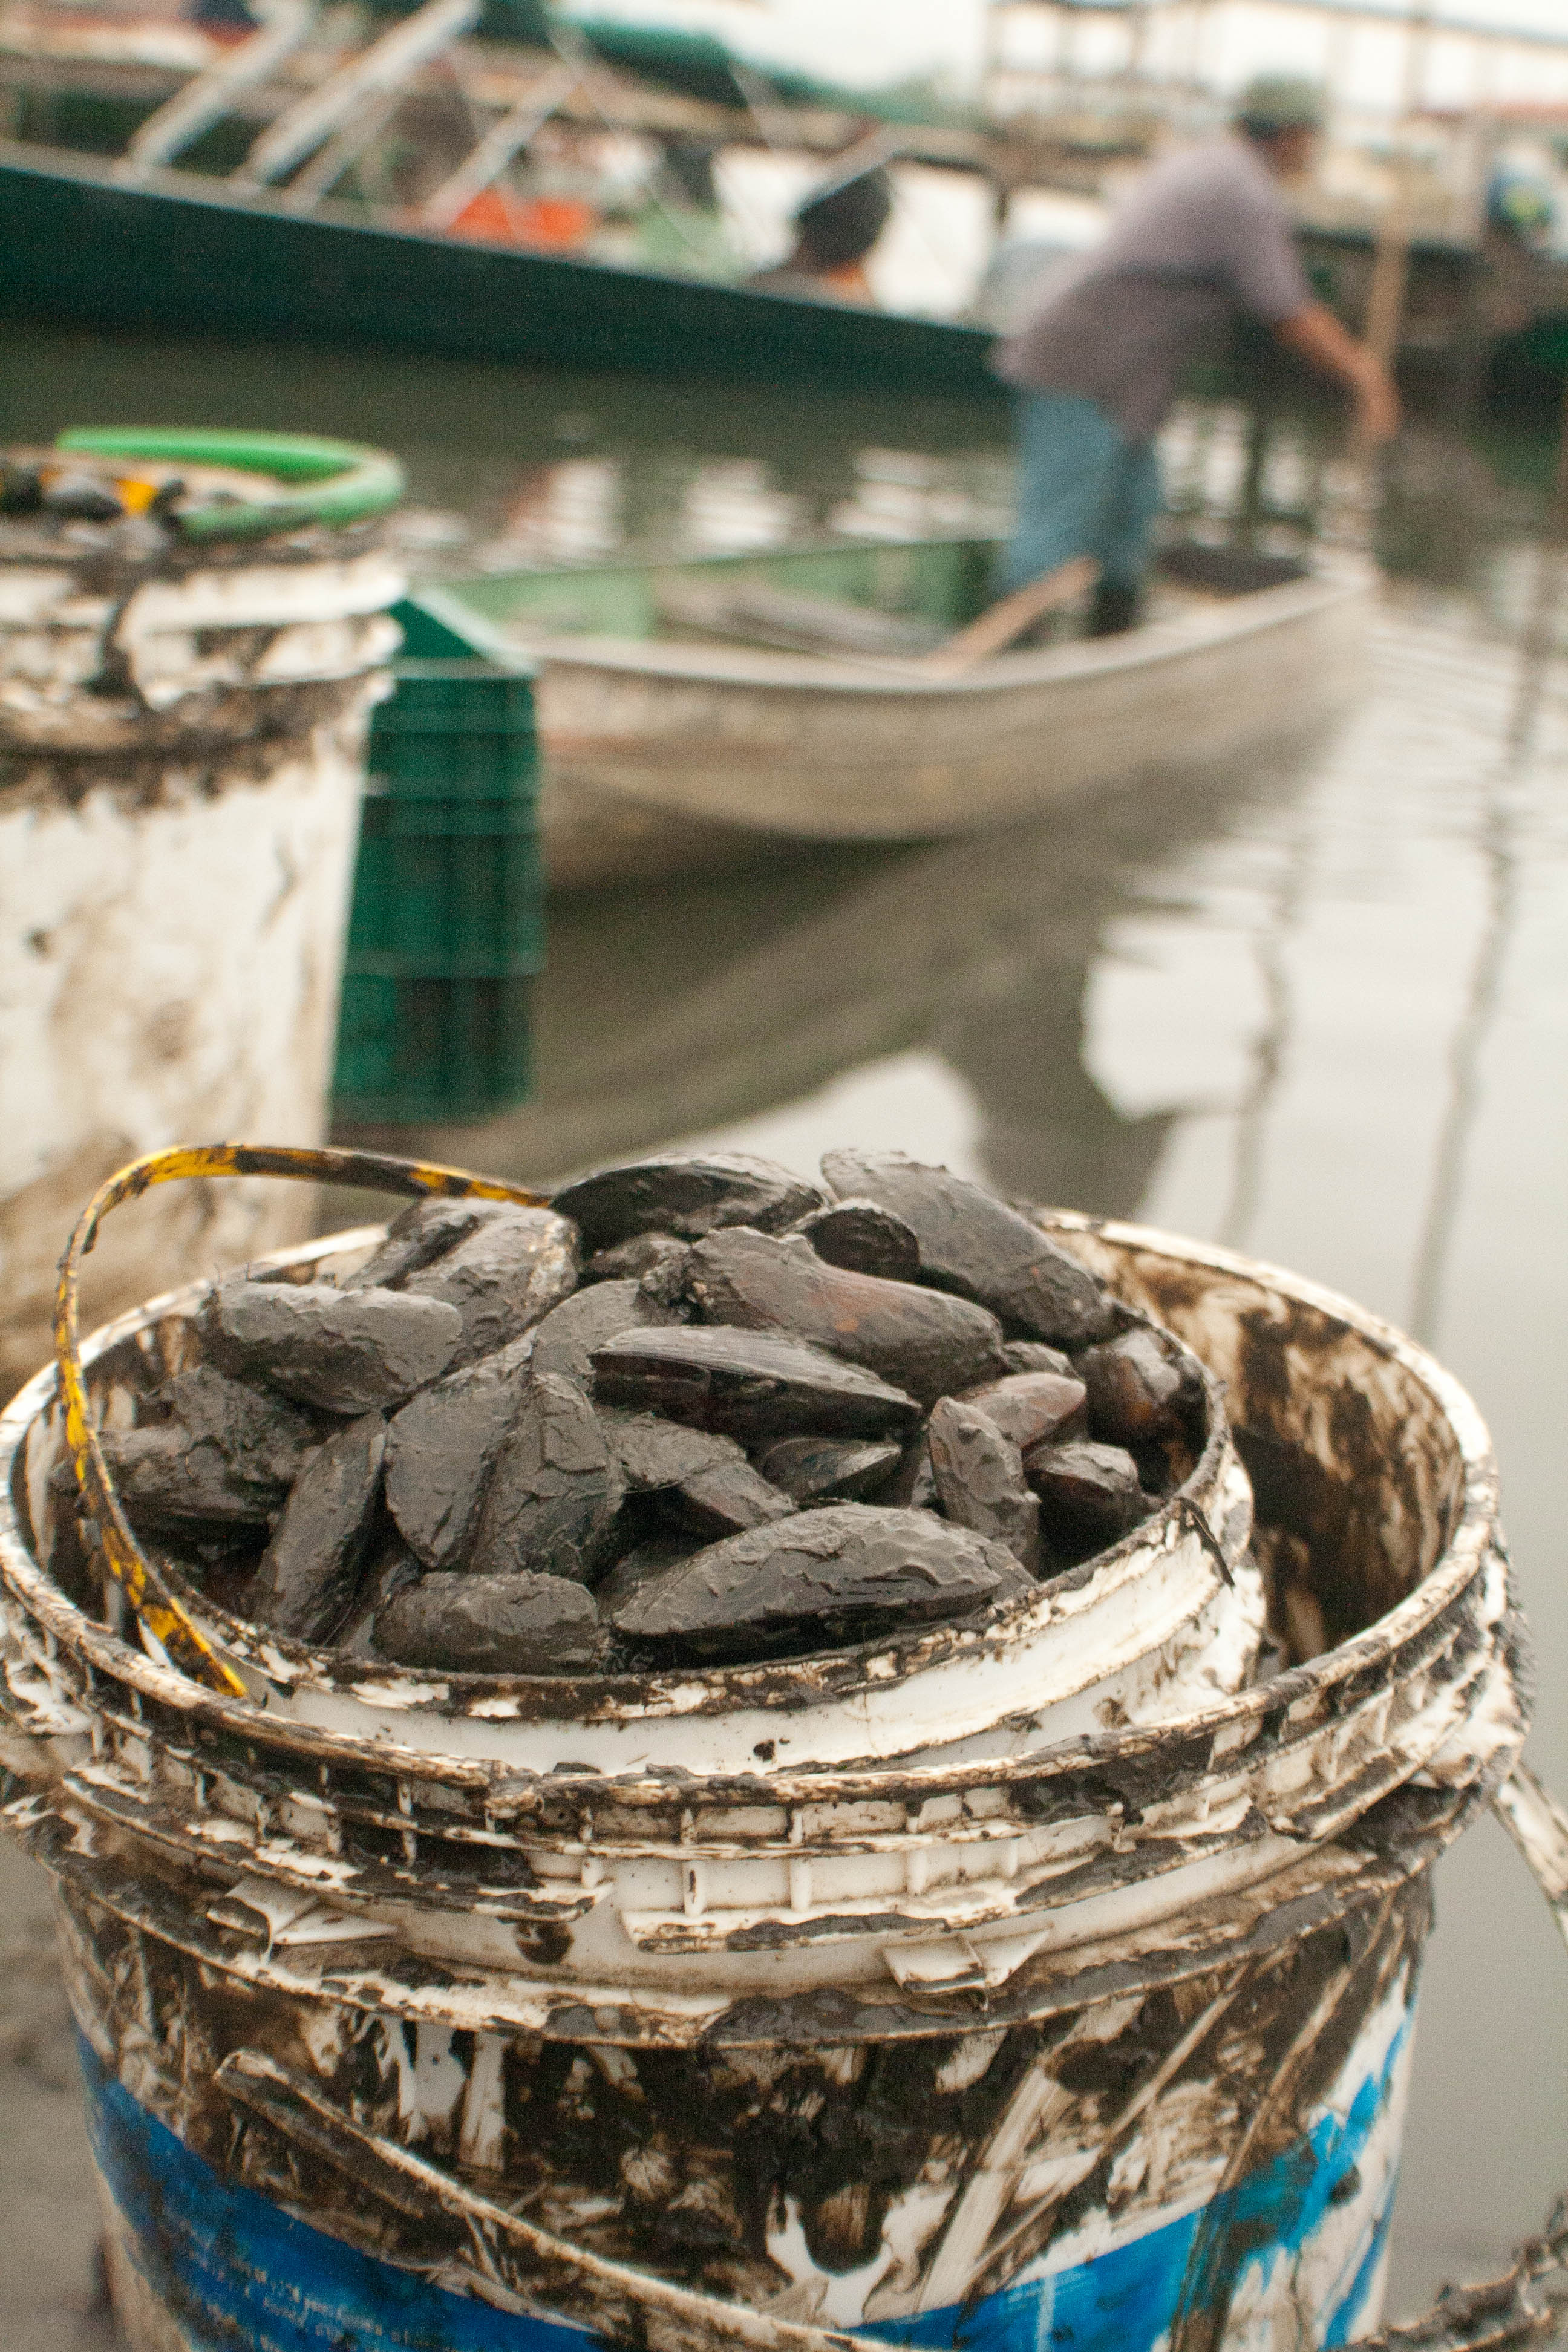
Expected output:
(669, 747)
(177, 252)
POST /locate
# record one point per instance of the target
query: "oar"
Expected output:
(1001, 623)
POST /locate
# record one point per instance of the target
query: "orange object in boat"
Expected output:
(559, 223)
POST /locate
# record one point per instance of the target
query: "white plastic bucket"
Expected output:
(1098, 2040)
(180, 758)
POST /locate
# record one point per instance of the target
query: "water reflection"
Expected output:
(666, 1013)
(564, 513)
(1499, 845)
(1227, 471)
(1272, 1043)
(1048, 1130)
(511, 467)
(672, 501)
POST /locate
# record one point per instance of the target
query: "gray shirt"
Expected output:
(1203, 233)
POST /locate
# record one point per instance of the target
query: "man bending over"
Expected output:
(1203, 233)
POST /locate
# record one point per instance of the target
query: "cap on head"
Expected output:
(1275, 102)
(840, 222)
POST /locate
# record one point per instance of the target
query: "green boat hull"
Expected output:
(176, 253)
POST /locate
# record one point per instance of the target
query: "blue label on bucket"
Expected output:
(232, 2269)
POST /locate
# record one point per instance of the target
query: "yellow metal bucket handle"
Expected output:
(143, 1582)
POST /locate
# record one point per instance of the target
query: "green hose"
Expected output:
(341, 481)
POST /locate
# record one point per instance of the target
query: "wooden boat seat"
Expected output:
(754, 612)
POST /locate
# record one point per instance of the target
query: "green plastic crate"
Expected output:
(455, 901)
(447, 922)
(457, 731)
(432, 1049)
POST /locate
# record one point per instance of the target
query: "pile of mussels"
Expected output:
(696, 1411)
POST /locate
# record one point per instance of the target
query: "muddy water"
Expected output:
(1318, 1009)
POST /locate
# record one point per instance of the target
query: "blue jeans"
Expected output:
(1082, 491)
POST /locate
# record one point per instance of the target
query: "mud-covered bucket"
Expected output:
(192, 628)
(396, 2037)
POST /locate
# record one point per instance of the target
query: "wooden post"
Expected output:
(1001, 205)
(1391, 263)
(991, 64)
(1195, 55)
(1540, 643)
(1250, 510)
(1356, 497)
(1137, 43)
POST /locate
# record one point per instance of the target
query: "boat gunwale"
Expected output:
(1207, 628)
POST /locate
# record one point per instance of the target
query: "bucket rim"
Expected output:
(1470, 1546)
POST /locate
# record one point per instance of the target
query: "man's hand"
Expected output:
(1316, 335)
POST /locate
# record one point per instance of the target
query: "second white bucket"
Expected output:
(182, 729)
